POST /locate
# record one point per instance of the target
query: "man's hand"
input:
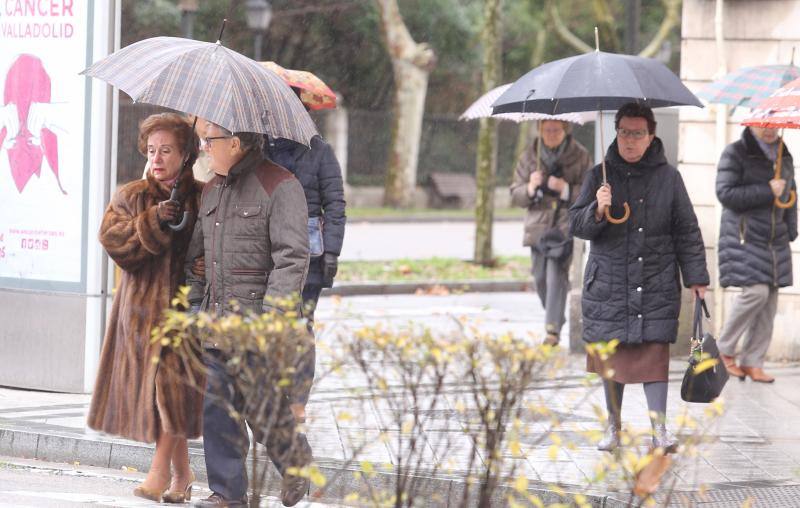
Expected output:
(535, 181)
(699, 291)
(778, 185)
(199, 267)
(167, 211)
(299, 412)
(556, 184)
(603, 201)
(330, 265)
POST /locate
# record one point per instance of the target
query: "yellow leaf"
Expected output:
(515, 447)
(317, 478)
(705, 365)
(407, 427)
(552, 452)
(344, 416)
(351, 498)
(366, 466)
(521, 484)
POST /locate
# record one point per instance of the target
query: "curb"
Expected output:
(408, 288)
(76, 449)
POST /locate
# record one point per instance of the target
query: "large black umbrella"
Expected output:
(595, 81)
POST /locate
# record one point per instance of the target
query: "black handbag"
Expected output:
(706, 385)
(554, 244)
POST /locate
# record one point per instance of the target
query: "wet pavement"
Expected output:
(753, 450)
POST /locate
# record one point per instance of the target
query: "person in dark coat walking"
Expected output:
(546, 185)
(754, 251)
(321, 177)
(631, 286)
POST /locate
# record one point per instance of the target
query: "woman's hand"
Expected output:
(199, 267)
(557, 184)
(603, 201)
(778, 185)
(699, 291)
(535, 181)
(167, 211)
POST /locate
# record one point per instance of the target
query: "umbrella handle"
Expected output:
(622, 219)
(182, 224)
(788, 204)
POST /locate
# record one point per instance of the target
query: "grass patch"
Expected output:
(433, 270)
(425, 213)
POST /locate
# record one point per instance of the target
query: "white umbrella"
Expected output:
(482, 108)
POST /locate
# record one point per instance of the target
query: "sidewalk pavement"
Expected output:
(752, 452)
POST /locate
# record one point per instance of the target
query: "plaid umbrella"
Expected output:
(210, 81)
(781, 110)
(314, 93)
(749, 85)
(482, 108)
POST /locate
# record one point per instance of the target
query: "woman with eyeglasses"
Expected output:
(136, 397)
(632, 283)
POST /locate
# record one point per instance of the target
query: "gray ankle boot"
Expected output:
(663, 439)
(610, 441)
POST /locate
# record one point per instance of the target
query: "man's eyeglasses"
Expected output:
(207, 141)
(637, 134)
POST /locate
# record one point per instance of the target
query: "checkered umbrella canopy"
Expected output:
(210, 81)
(781, 110)
(748, 85)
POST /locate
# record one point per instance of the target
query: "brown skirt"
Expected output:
(634, 363)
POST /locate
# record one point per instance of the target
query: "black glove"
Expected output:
(330, 265)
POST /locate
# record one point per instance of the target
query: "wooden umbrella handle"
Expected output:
(788, 204)
(622, 219)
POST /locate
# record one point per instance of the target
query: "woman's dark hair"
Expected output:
(177, 125)
(636, 110)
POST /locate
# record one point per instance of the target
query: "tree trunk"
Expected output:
(525, 137)
(411, 63)
(487, 136)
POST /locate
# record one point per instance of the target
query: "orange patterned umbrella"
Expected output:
(314, 93)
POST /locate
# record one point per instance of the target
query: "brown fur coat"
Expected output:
(135, 397)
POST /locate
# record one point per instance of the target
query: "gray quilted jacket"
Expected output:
(253, 234)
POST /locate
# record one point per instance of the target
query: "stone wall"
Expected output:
(755, 32)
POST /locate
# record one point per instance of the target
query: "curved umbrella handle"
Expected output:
(622, 219)
(788, 204)
(182, 224)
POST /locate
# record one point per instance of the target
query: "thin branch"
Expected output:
(671, 19)
(564, 32)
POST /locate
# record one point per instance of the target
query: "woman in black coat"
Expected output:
(754, 250)
(631, 290)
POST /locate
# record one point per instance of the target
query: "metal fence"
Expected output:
(447, 145)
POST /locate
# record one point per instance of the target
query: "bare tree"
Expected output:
(602, 14)
(486, 166)
(411, 63)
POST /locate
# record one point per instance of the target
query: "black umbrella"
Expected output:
(595, 81)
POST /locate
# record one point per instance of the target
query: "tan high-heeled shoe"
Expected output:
(151, 494)
(179, 496)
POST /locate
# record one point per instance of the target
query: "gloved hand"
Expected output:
(167, 211)
(199, 267)
(330, 265)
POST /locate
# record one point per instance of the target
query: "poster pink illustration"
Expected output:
(27, 138)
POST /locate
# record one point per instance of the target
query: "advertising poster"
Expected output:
(43, 117)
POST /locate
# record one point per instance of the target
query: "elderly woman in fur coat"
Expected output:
(135, 397)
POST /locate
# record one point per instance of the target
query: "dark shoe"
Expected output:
(663, 439)
(757, 374)
(178, 496)
(610, 441)
(216, 500)
(730, 365)
(293, 489)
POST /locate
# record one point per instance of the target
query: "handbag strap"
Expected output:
(700, 309)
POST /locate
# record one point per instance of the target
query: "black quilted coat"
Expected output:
(754, 234)
(631, 286)
(321, 177)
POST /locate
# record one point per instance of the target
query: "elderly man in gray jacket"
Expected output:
(252, 232)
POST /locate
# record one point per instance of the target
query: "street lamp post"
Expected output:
(188, 11)
(259, 15)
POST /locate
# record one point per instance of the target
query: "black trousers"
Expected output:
(225, 438)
